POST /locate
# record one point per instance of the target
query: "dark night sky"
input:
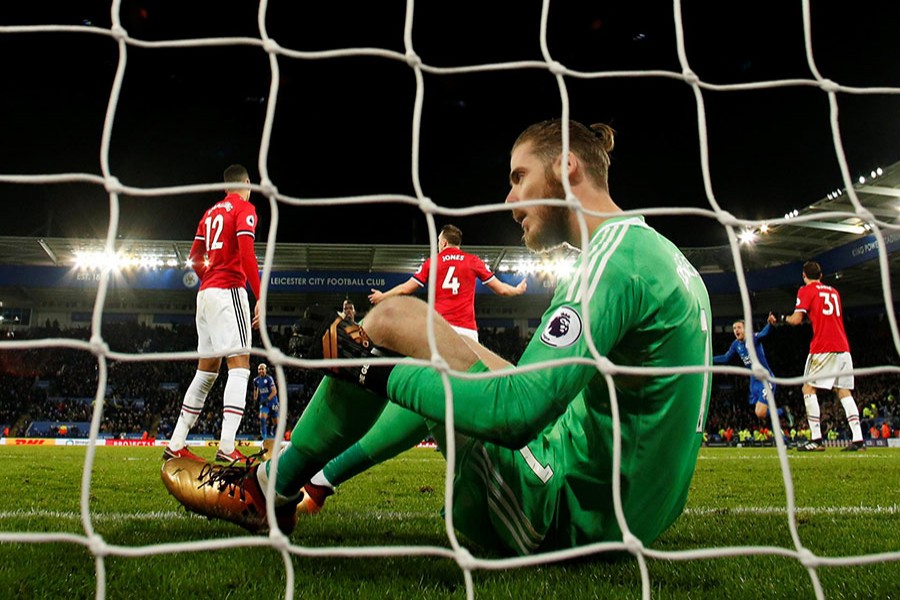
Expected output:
(343, 126)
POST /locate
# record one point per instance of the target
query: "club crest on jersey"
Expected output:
(563, 329)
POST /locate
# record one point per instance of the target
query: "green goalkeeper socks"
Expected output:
(338, 415)
(396, 431)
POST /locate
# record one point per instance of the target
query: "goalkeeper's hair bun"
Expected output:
(605, 134)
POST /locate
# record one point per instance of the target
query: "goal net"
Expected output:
(412, 74)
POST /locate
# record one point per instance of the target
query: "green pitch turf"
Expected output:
(847, 506)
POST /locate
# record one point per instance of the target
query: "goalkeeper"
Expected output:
(534, 449)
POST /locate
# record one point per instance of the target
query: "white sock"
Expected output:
(262, 478)
(233, 402)
(812, 415)
(322, 481)
(191, 406)
(852, 412)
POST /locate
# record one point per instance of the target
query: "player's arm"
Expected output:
(721, 359)
(404, 289)
(504, 289)
(197, 256)
(511, 408)
(763, 332)
(249, 265)
(508, 409)
(274, 393)
(794, 319)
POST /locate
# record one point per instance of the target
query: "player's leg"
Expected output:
(273, 419)
(811, 401)
(337, 416)
(766, 393)
(757, 398)
(400, 324)
(843, 387)
(191, 407)
(508, 499)
(195, 396)
(263, 421)
(760, 396)
(852, 411)
(762, 410)
(396, 430)
(234, 401)
(232, 330)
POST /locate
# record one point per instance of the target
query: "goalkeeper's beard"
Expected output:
(552, 222)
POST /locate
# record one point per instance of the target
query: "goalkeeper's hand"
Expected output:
(326, 334)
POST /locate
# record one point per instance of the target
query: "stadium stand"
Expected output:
(47, 389)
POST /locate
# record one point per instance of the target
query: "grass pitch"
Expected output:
(847, 506)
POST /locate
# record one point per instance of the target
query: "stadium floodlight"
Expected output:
(563, 266)
(862, 179)
(525, 266)
(879, 171)
(148, 261)
(99, 260)
(764, 228)
(748, 236)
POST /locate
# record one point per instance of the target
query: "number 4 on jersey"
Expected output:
(450, 282)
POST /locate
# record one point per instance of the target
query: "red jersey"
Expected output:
(217, 237)
(455, 294)
(822, 304)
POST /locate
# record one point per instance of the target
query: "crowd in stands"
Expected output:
(58, 386)
(55, 386)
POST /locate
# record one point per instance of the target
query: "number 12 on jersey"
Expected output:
(213, 232)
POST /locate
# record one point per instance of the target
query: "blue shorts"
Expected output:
(269, 407)
(758, 392)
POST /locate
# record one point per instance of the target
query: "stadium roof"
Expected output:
(828, 223)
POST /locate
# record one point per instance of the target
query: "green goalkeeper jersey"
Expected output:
(544, 449)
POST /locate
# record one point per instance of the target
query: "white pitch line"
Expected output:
(163, 515)
(167, 515)
(802, 456)
(891, 509)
